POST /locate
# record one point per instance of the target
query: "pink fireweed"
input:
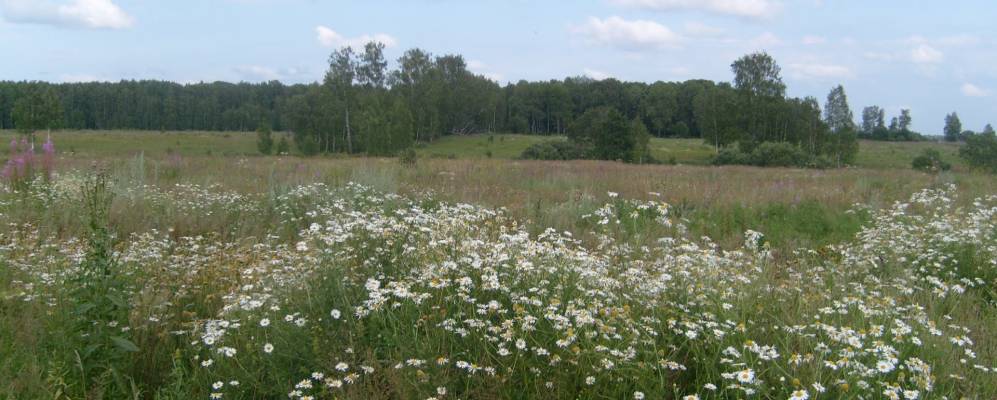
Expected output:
(20, 169)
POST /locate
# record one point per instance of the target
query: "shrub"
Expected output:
(980, 151)
(283, 147)
(930, 161)
(731, 155)
(555, 150)
(769, 154)
(264, 139)
(408, 157)
(778, 154)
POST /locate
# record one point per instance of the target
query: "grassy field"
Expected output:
(872, 154)
(215, 271)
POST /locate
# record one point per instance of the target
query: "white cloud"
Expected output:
(92, 14)
(740, 8)
(819, 71)
(971, 90)
(594, 74)
(813, 40)
(702, 30)
(330, 38)
(925, 54)
(627, 34)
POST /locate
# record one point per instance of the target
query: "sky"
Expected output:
(933, 57)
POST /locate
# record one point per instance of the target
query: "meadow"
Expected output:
(182, 265)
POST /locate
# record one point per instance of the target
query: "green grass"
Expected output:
(502, 146)
(872, 154)
(97, 144)
(682, 151)
(876, 154)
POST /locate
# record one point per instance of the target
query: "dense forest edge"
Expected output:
(363, 107)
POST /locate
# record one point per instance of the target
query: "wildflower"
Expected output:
(342, 367)
(884, 366)
(265, 322)
(218, 385)
(691, 397)
(334, 383)
(207, 363)
(335, 314)
(799, 395)
(268, 348)
(746, 376)
(911, 394)
(638, 395)
(590, 380)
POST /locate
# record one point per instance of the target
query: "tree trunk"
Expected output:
(349, 133)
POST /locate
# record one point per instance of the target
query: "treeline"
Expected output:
(147, 105)
(362, 106)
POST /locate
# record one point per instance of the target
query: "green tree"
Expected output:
(873, 118)
(264, 139)
(903, 123)
(980, 151)
(641, 150)
(842, 141)
(372, 69)
(759, 75)
(41, 109)
(339, 81)
(283, 147)
(837, 113)
(953, 127)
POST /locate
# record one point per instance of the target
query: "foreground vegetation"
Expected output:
(117, 288)
(162, 278)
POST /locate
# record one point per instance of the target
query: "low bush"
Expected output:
(554, 150)
(930, 161)
(770, 154)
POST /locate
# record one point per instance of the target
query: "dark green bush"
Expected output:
(408, 157)
(930, 161)
(770, 154)
(778, 154)
(980, 151)
(559, 150)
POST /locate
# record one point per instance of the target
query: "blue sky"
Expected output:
(933, 57)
